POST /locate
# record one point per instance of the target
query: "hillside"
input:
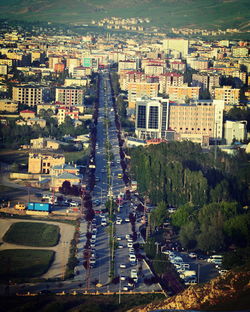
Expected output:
(170, 13)
(228, 292)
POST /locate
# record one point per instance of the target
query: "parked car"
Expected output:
(192, 255)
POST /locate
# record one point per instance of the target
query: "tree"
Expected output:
(188, 235)
(159, 214)
(183, 214)
(150, 248)
(66, 188)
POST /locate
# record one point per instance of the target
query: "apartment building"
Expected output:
(139, 89)
(182, 93)
(235, 130)
(128, 65)
(177, 65)
(170, 80)
(176, 44)
(70, 95)
(154, 70)
(8, 105)
(152, 62)
(229, 95)
(3, 69)
(199, 64)
(53, 60)
(30, 95)
(43, 162)
(71, 63)
(240, 51)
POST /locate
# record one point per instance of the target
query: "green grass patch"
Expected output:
(32, 234)
(24, 263)
(76, 157)
(7, 189)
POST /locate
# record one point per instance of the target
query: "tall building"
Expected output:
(229, 95)
(151, 117)
(31, 95)
(139, 89)
(200, 121)
(70, 95)
(178, 44)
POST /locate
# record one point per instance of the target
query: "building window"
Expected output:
(153, 118)
(141, 118)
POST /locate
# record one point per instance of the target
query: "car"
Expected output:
(130, 245)
(192, 255)
(120, 246)
(74, 204)
(223, 271)
(123, 266)
(123, 278)
(97, 202)
(119, 238)
(103, 223)
(127, 220)
(118, 221)
(192, 281)
(126, 288)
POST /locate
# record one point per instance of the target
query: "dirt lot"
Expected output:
(62, 248)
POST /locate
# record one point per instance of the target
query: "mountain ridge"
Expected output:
(169, 13)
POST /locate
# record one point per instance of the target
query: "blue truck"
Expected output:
(39, 207)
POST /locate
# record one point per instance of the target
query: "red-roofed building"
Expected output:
(27, 114)
(171, 79)
(64, 111)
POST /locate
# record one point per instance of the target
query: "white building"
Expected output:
(235, 130)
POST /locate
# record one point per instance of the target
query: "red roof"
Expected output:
(26, 111)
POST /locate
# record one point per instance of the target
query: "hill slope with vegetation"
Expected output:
(171, 13)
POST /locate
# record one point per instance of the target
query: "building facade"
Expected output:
(30, 95)
(139, 89)
(70, 95)
(42, 163)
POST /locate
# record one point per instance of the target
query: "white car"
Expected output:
(192, 255)
(123, 278)
(118, 221)
(123, 266)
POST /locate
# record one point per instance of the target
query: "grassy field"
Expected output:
(32, 234)
(76, 157)
(13, 156)
(24, 263)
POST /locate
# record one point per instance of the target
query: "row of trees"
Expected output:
(215, 226)
(180, 172)
(13, 135)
